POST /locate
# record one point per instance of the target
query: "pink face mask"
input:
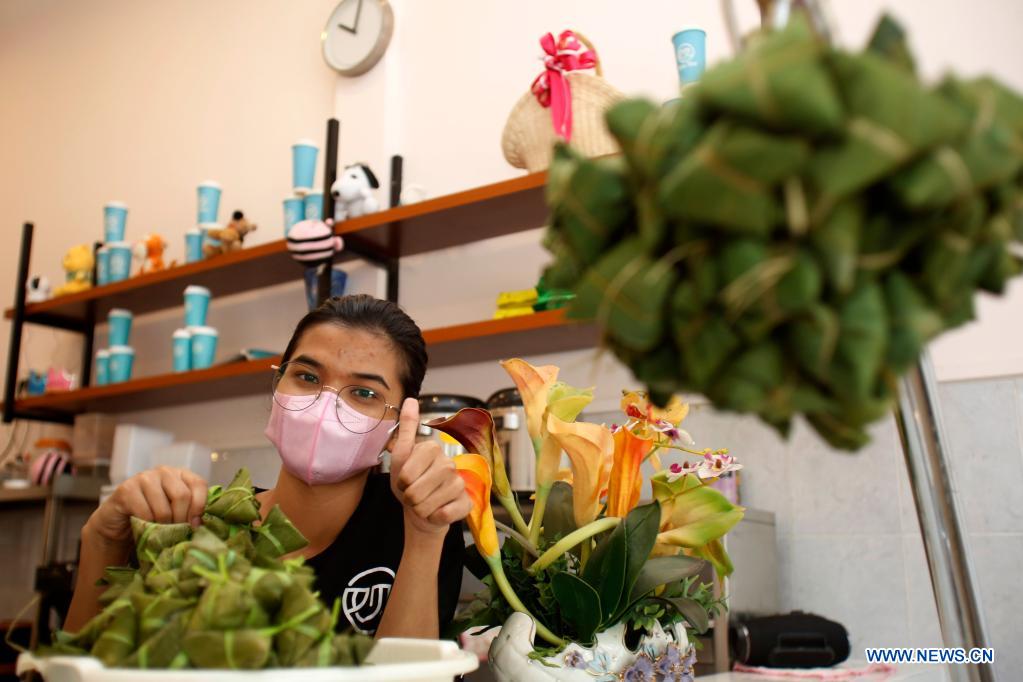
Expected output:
(316, 448)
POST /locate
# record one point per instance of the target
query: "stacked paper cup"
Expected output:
(305, 202)
(114, 259)
(208, 194)
(114, 364)
(199, 339)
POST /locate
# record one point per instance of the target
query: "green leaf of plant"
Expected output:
(691, 610)
(558, 520)
(640, 527)
(579, 602)
(662, 570)
(605, 571)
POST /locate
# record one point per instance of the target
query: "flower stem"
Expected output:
(584, 554)
(513, 600)
(539, 507)
(571, 540)
(512, 506)
(518, 537)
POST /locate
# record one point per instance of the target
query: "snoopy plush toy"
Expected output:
(353, 194)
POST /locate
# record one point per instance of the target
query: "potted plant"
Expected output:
(608, 586)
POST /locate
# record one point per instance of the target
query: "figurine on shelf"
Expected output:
(230, 238)
(59, 380)
(313, 244)
(150, 252)
(77, 263)
(39, 290)
(353, 194)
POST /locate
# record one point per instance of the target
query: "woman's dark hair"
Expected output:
(361, 311)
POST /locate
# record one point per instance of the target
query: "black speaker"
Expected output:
(792, 640)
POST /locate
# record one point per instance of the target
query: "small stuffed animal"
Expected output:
(312, 242)
(77, 263)
(230, 238)
(352, 192)
(38, 290)
(150, 252)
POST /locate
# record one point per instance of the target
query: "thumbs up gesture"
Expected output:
(425, 480)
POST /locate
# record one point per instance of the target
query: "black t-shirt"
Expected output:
(360, 565)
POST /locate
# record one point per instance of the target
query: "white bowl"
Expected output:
(407, 660)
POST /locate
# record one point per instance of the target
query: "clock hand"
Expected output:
(353, 29)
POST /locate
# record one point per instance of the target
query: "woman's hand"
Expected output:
(164, 495)
(424, 479)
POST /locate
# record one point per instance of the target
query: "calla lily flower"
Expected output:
(533, 383)
(587, 446)
(696, 516)
(474, 430)
(623, 490)
(475, 471)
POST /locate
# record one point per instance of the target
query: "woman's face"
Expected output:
(343, 356)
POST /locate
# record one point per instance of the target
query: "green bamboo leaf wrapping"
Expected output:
(277, 536)
(862, 342)
(780, 83)
(628, 291)
(891, 120)
(232, 649)
(913, 322)
(836, 242)
(236, 503)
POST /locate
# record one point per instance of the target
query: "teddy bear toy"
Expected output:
(353, 194)
(227, 239)
(77, 263)
(150, 252)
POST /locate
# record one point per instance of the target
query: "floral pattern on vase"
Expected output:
(659, 658)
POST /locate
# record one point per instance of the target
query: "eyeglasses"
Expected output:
(297, 386)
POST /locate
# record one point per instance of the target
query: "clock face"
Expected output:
(357, 34)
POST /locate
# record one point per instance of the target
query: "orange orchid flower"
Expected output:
(626, 481)
(475, 471)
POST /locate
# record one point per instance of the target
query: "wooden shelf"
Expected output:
(473, 215)
(544, 332)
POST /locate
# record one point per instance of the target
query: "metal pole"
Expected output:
(325, 279)
(17, 323)
(934, 492)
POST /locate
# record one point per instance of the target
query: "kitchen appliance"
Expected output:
(441, 406)
(513, 437)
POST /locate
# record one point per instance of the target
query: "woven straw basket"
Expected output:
(528, 138)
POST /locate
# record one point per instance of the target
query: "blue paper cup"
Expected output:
(303, 166)
(119, 320)
(115, 216)
(182, 350)
(102, 266)
(313, 205)
(690, 54)
(193, 245)
(197, 303)
(294, 212)
(203, 346)
(102, 376)
(209, 201)
(121, 360)
(119, 268)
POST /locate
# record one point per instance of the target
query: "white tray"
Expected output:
(392, 660)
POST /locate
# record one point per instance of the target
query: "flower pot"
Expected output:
(661, 655)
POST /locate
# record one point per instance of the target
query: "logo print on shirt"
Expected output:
(364, 598)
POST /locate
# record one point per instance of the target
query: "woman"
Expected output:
(389, 546)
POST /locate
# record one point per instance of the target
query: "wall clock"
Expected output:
(357, 35)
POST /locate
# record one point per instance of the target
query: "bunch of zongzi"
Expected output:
(216, 597)
(787, 237)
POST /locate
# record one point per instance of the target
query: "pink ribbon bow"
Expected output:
(551, 87)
